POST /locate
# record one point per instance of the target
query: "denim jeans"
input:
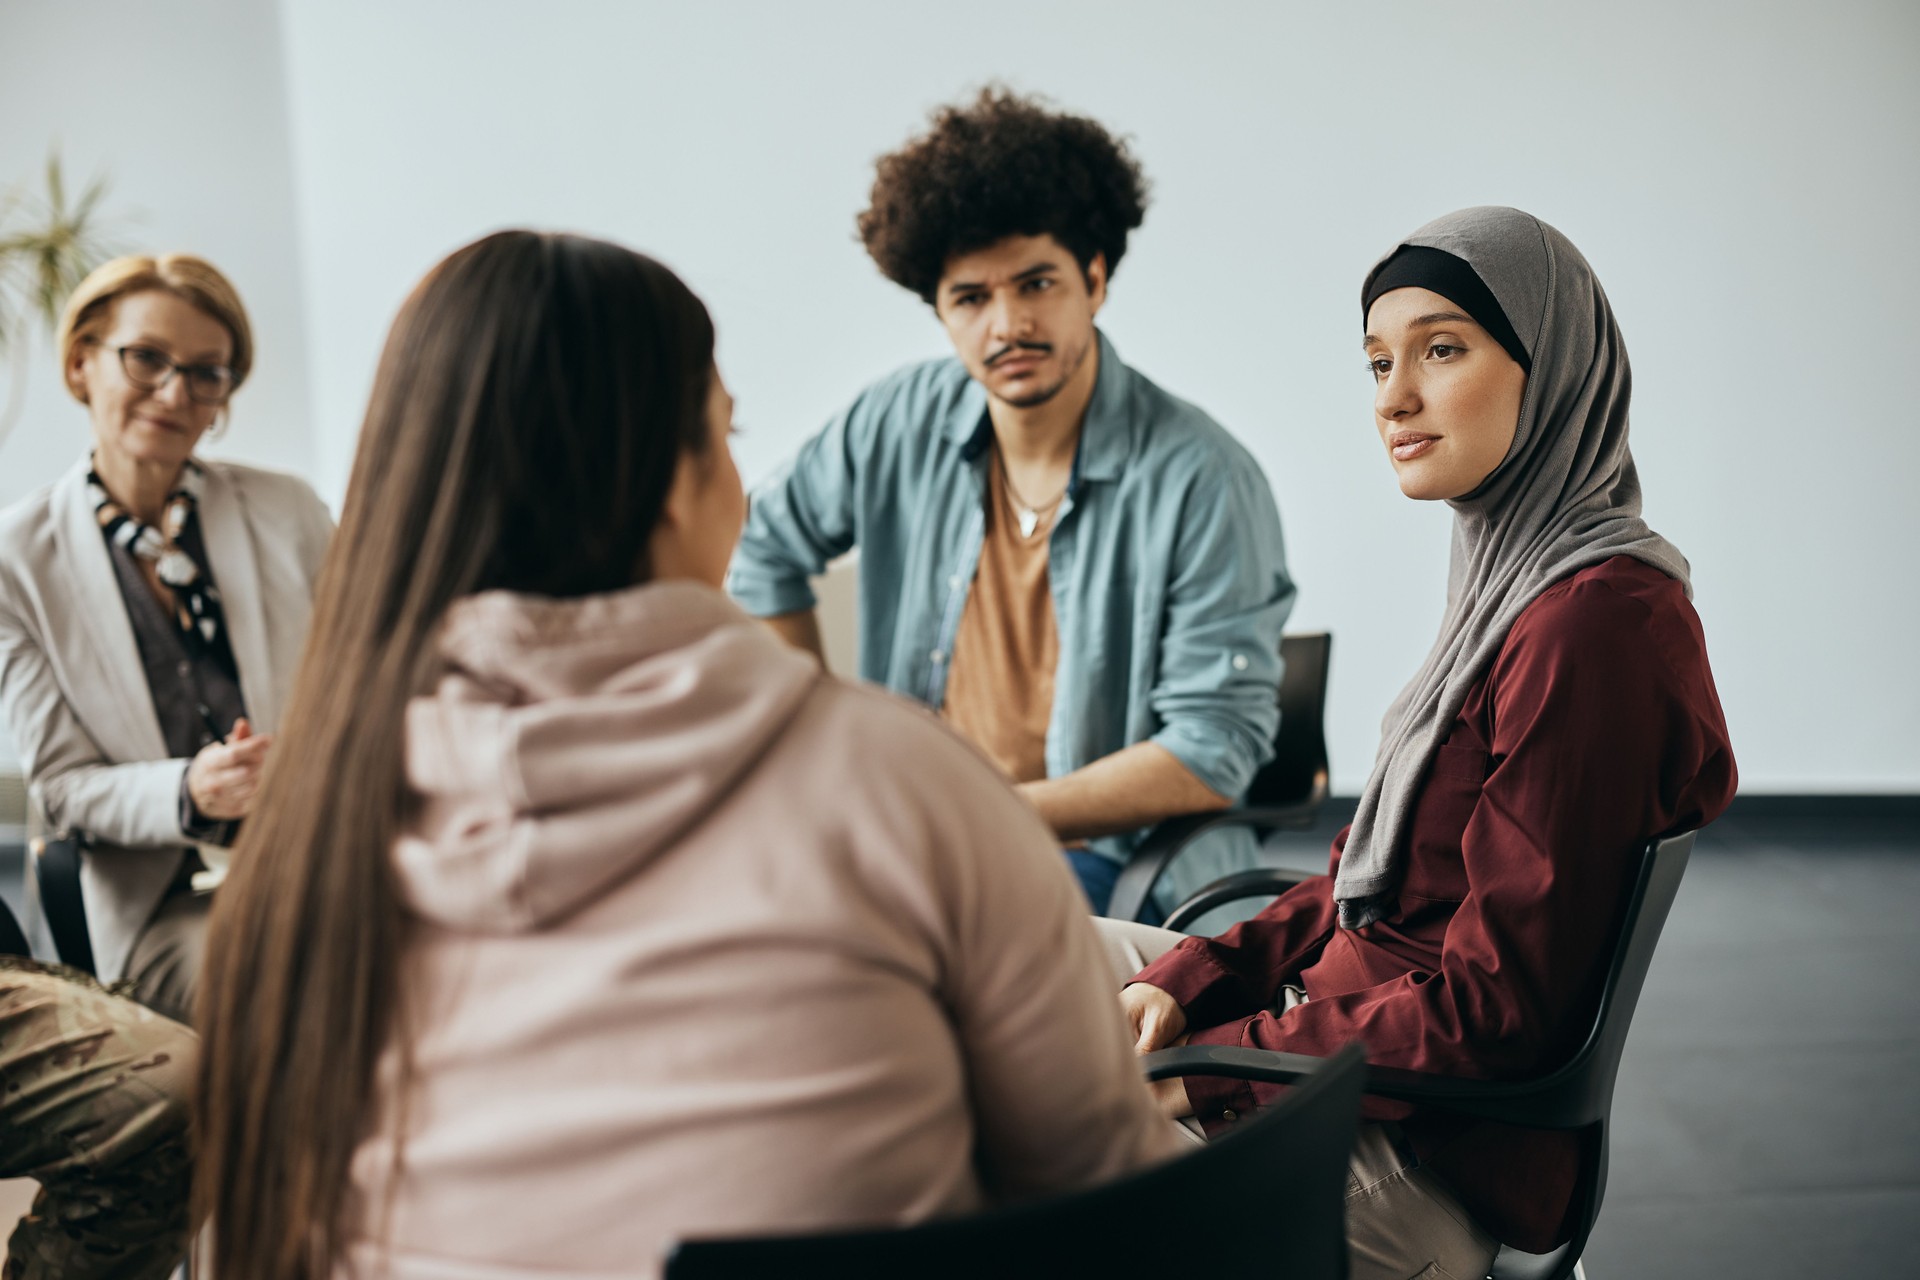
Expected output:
(1096, 876)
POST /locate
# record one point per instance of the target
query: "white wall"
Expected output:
(182, 106)
(1741, 175)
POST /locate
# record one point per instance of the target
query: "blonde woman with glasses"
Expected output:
(152, 606)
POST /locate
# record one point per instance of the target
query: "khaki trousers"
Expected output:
(164, 966)
(93, 1104)
(1402, 1222)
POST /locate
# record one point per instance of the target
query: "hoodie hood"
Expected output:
(570, 742)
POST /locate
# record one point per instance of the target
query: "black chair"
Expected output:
(12, 941)
(55, 866)
(13, 844)
(1267, 1200)
(1287, 792)
(1575, 1096)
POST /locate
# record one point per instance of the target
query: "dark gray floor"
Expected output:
(1767, 1120)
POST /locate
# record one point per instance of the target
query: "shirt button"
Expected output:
(938, 656)
(953, 583)
(1229, 1115)
(185, 669)
(1239, 662)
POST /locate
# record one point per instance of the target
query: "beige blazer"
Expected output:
(76, 699)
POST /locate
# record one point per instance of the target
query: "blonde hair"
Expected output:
(192, 280)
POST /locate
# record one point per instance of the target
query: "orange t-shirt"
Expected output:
(1000, 683)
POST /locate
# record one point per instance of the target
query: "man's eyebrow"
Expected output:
(1037, 269)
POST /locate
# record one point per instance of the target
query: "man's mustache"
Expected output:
(1037, 348)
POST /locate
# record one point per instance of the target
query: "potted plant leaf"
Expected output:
(47, 247)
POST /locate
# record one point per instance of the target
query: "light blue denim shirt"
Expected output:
(1169, 581)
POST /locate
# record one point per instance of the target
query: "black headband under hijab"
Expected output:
(1416, 266)
(1566, 497)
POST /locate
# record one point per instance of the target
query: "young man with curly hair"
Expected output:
(1080, 572)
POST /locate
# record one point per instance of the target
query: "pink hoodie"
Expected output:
(711, 943)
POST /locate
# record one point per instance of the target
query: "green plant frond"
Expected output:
(56, 189)
(42, 263)
(88, 199)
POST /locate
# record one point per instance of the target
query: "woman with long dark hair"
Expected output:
(1565, 715)
(578, 912)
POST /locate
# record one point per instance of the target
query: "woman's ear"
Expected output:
(76, 372)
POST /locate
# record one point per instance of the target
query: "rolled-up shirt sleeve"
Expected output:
(1216, 695)
(800, 518)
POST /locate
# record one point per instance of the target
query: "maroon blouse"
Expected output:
(1596, 728)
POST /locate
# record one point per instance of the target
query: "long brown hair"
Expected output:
(534, 399)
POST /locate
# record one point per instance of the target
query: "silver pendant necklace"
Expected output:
(1026, 513)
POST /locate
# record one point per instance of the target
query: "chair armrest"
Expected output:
(1260, 882)
(1266, 1065)
(1508, 1102)
(1164, 843)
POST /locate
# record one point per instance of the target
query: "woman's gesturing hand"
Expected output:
(224, 778)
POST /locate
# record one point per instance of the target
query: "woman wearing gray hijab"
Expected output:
(1565, 715)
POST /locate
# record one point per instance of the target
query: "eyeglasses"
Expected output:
(151, 370)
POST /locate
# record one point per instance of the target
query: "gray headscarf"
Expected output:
(1566, 497)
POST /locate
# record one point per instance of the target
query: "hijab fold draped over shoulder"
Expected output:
(1567, 496)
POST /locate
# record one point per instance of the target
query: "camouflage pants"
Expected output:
(93, 1104)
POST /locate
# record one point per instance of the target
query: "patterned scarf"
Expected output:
(196, 602)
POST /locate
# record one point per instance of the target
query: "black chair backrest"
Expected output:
(1647, 910)
(1267, 1199)
(13, 942)
(56, 868)
(1580, 1092)
(1298, 771)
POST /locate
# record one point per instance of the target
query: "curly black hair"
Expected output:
(1002, 165)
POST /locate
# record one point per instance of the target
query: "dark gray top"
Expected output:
(195, 688)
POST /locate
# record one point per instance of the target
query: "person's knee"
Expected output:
(160, 1070)
(141, 1102)
(1402, 1221)
(165, 967)
(111, 1147)
(109, 1079)
(1130, 946)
